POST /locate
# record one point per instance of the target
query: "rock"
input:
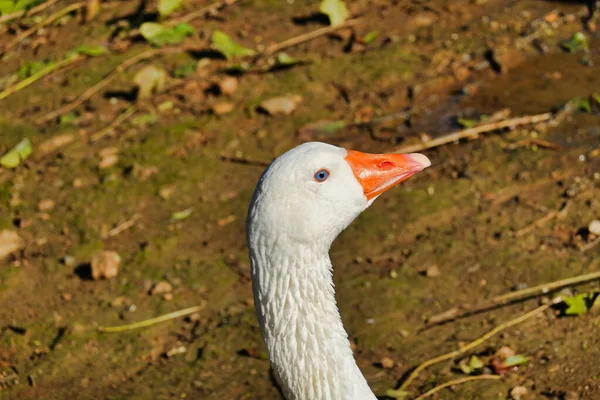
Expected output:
(281, 105)
(504, 352)
(228, 85)
(161, 287)
(105, 265)
(46, 205)
(505, 58)
(519, 392)
(432, 272)
(108, 162)
(594, 227)
(571, 396)
(9, 243)
(223, 107)
(149, 80)
(387, 363)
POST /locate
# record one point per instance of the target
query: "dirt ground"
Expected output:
(506, 211)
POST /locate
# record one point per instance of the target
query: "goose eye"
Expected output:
(321, 175)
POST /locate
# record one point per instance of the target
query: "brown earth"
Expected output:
(441, 59)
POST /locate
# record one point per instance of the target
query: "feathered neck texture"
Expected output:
(299, 319)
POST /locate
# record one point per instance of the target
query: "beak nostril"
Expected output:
(386, 164)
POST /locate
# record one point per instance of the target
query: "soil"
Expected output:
(440, 59)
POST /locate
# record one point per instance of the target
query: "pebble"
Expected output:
(105, 265)
(161, 287)
(594, 227)
(46, 205)
(228, 85)
(387, 363)
(432, 272)
(10, 242)
(519, 392)
(223, 107)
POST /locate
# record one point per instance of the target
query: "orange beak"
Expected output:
(376, 173)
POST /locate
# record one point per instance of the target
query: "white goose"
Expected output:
(303, 200)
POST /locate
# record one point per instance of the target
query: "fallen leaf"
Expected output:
(51, 145)
(397, 394)
(9, 243)
(10, 6)
(85, 50)
(336, 11)
(149, 79)
(513, 361)
(226, 46)
(467, 123)
(144, 119)
(314, 129)
(281, 105)
(167, 7)
(183, 214)
(183, 71)
(165, 106)
(159, 35)
(370, 37)
(19, 153)
(579, 304)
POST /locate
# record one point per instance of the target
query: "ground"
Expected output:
(472, 214)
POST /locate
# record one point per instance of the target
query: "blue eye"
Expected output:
(321, 175)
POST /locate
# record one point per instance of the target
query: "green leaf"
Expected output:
(19, 153)
(475, 363)
(577, 43)
(370, 37)
(183, 214)
(159, 35)
(226, 46)
(166, 106)
(396, 394)
(583, 105)
(284, 60)
(183, 71)
(9, 6)
(68, 119)
(577, 305)
(513, 361)
(144, 119)
(91, 51)
(596, 97)
(336, 11)
(467, 123)
(32, 68)
(167, 7)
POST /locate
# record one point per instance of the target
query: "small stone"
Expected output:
(46, 205)
(224, 107)
(594, 227)
(432, 272)
(571, 396)
(105, 265)
(519, 392)
(161, 287)
(504, 352)
(9, 243)
(66, 296)
(281, 105)
(108, 161)
(165, 192)
(168, 296)
(228, 85)
(387, 363)
(69, 261)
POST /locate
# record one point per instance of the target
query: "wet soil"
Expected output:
(441, 59)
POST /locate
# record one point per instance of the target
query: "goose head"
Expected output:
(314, 191)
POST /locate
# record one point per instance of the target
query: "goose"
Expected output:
(302, 202)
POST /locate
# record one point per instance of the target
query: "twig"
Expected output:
(476, 342)
(38, 75)
(590, 245)
(473, 133)
(245, 160)
(29, 13)
(114, 124)
(545, 144)
(122, 227)
(551, 215)
(106, 80)
(201, 12)
(47, 21)
(546, 287)
(152, 321)
(307, 36)
(457, 382)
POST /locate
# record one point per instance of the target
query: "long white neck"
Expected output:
(300, 322)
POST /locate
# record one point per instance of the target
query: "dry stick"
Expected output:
(38, 75)
(201, 12)
(307, 36)
(33, 11)
(457, 382)
(114, 124)
(590, 245)
(109, 78)
(47, 21)
(245, 160)
(152, 321)
(551, 215)
(473, 133)
(546, 287)
(476, 342)
(123, 227)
